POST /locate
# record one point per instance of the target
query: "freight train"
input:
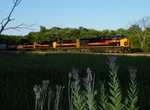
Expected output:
(111, 44)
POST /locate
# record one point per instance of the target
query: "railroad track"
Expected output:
(127, 54)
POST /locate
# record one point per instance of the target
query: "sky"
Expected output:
(91, 14)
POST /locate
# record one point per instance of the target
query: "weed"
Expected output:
(84, 98)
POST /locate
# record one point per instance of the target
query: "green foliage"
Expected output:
(132, 99)
(90, 93)
(77, 99)
(106, 32)
(112, 101)
(18, 76)
(40, 95)
(16, 40)
(65, 34)
(115, 90)
(103, 98)
(32, 37)
(141, 30)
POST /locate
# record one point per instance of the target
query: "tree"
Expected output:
(42, 29)
(141, 30)
(121, 31)
(106, 32)
(31, 37)
(5, 21)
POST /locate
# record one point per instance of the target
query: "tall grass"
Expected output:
(19, 72)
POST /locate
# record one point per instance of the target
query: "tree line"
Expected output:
(138, 37)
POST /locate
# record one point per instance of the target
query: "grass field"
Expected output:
(20, 71)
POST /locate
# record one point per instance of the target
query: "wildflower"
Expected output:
(132, 99)
(35, 88)
(45, 85)
(112, 59)
(89, 75)
(72, 84)
(59, 90)
(69, 75)
(89, 71)
(132, 70)
(75, 73)
(45, 82)
(112, 65)
(57, 86)
(115, 69)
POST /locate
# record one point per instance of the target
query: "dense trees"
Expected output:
(73, 33)
(138, 37)
(7, 39)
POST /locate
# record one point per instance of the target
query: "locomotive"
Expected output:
(115, 44)
(111, 44)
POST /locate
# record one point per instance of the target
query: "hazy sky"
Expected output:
(95, 14)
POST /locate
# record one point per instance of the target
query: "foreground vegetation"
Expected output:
(84, 98)
(20, 71)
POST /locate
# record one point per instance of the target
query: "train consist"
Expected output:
(113, 44)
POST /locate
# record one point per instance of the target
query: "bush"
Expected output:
(136, 50)
(146, 49)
